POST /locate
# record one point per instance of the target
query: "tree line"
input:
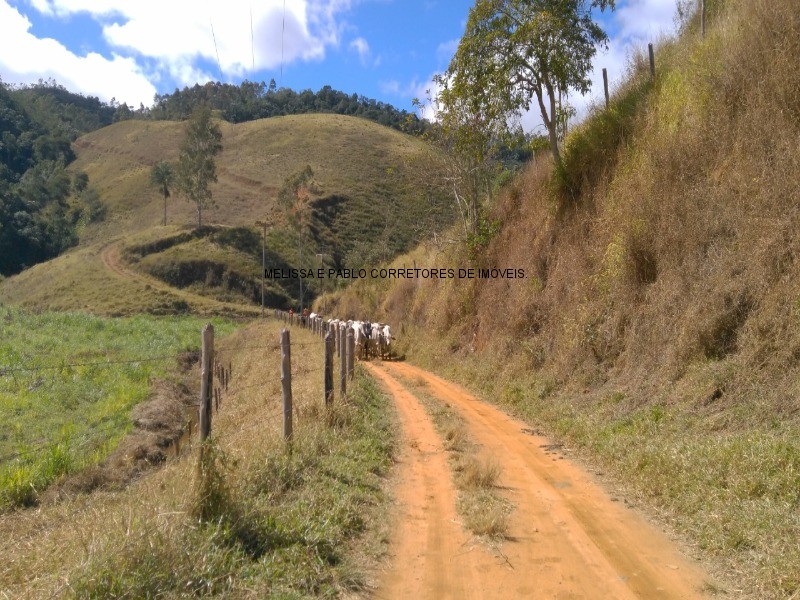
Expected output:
(250, 100)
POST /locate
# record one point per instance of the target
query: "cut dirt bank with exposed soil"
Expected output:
(567, 538)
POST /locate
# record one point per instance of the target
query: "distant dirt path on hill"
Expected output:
(109, 254)
(567, 538)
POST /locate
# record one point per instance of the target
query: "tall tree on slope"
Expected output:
(196, 166)
(516, 50)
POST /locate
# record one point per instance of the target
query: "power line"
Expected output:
(252, 43)
(214, 37)
(283, 29)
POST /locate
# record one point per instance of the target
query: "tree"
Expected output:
(163, 176)
(467, 144)
(196, 167)
(516, 50)
(293, 198)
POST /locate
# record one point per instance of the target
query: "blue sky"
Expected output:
(383, 49)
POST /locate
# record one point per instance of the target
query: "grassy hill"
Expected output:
(367, 205)
(658, 323)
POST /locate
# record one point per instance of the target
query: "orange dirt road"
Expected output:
(567, 538)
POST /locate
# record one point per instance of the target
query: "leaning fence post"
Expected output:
(206, 381)
(351, 351)
(652, 60)
(328, 370)
(343, 364)
(605, 85)
(286, 383)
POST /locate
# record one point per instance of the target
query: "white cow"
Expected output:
(359, 337)
(375, 338)
(386, 341)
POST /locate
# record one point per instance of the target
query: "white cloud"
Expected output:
(183, 30)
(33, 58)
(646, 19)
(361, 47)
(174, 38)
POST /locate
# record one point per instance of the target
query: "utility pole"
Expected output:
(263, 261)
(300, 262)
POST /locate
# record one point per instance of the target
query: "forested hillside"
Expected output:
(41, 205)
(250, 101)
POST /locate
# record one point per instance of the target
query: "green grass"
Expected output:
(56, 418)
(289, 526)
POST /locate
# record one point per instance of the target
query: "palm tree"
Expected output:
(163, 175)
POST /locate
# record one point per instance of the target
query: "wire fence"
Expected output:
(218, 386)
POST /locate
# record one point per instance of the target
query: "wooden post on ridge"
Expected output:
(206, 381)
(605, 85)
(286, 384)
(652, 60)
(351, 351)
(328, 370)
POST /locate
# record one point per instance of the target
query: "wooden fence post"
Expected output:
(206, 381)
(703, 17)
(652, 60)
(286, 383)
(343, 364)
(605, 85)
(351, 351)
(328, 370)
(337, 337)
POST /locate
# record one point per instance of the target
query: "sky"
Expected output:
(389, 50)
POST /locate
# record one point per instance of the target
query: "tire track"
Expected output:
(567, 538)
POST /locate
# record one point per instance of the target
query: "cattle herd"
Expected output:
(371, 339)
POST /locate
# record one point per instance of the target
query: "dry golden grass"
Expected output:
(479, 474)
(484, 514)
(349, 157)
(356, 163)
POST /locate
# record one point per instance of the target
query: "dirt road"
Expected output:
(567, 538)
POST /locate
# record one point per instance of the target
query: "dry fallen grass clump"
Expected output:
(477, 474)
